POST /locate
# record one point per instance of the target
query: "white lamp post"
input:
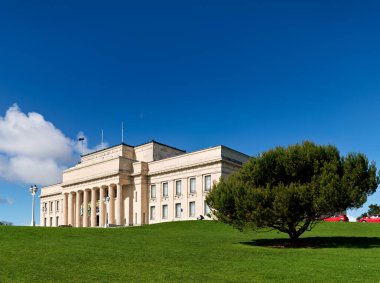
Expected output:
(106, 201)
(33, 190)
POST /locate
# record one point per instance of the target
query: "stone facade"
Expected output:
(134, 185)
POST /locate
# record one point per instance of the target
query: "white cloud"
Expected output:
(6, 201)
(33, 150)
(31, 135)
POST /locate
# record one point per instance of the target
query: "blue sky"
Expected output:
(250, 75)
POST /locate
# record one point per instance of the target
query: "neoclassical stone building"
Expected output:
(135, 185)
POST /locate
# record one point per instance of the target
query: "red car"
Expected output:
(336, 218)
(371, 218)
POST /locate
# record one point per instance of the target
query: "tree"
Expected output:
(289, 189)
(373, 209)
(5, 223)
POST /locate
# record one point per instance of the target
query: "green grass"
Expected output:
(197, 251)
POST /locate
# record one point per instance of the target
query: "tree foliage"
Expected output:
(373, 209)
(289, 189)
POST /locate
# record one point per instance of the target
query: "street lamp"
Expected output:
(106, 201)
(33, 190)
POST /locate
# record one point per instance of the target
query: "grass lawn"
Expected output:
(196, 251)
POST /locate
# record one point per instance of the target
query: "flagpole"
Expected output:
(102, 139)
(122, 132)
(81, 139)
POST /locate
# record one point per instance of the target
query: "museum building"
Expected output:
(128, 185)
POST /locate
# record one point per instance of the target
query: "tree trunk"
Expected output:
(294, 234)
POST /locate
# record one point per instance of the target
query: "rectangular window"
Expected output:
(178, 187)
(207, 209)
(165, 190)
(51, 206)
(57, 221)
(136, 197)
(192, 185)
(45, 221)
(152, 212)
(153, 191)
(207, 182)
(165, 211)
(178, 210)
(51, 221)
(57, 205)
(192, 209)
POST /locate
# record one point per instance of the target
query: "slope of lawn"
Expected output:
(196, 251)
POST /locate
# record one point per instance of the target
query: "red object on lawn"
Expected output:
(371, 218)
(336, 218)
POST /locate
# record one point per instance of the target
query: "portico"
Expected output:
(87, 208)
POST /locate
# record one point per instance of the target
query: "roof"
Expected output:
(152, 141)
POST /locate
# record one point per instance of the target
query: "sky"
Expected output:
(250, 75)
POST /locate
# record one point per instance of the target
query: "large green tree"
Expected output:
(290, 189)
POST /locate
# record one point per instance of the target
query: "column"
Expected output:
(101, 207)
(128, 205)
(137, 202)
(119, 204)
(111, 205)
(77, 210)
(85, 207)
(93, 207)
(65, 212)
(70, 211)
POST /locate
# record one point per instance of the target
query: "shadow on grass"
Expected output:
(319, 242)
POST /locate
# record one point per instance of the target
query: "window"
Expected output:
(45, 221)
(207, 182)
(51, 206)
(165, 189)
(57, 205)
(207, 209)
(136, 198)
(192, 185)
(153, 191)
(152, 212)
(178, 210)
(57, 221)
(165, 211)
(192, 209)
(178, 187)
(51, 221)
